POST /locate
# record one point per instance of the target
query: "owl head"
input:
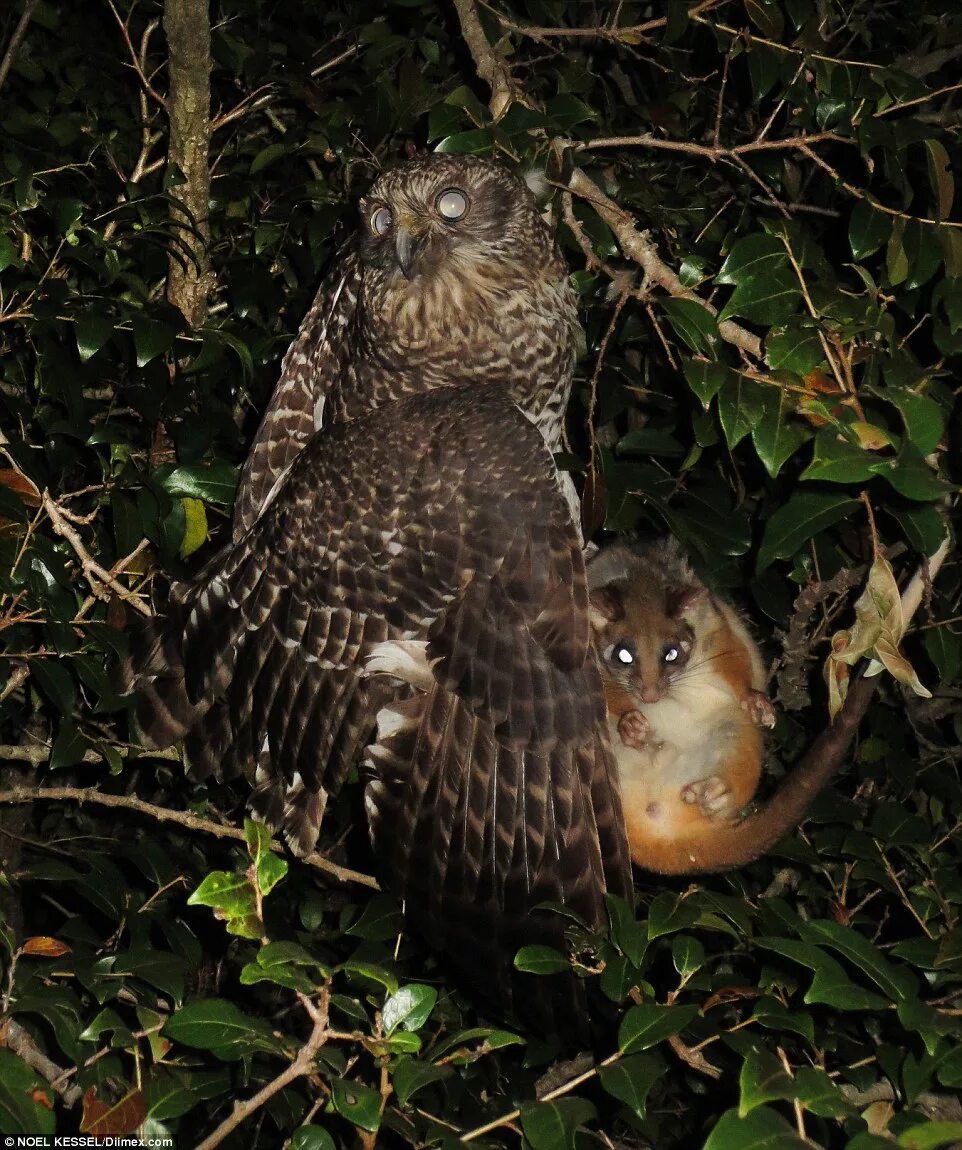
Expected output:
(450, 212)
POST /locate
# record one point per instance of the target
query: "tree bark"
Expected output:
(189, 277)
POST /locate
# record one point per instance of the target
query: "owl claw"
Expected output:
(634, 729)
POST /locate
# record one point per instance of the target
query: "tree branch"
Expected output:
(15, 1038)
(303, 1064)
(490, 65)
(638, 247)
(18, 34)
(96, 576)
(19, 795)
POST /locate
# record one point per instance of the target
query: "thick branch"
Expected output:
(15, 1038)
(490, 65)
(187, 24)
(19, 795)
(638, 247)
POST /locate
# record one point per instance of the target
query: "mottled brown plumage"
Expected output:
(411, 573)
(485, 298)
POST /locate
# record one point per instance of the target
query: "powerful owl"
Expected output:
(406, 577)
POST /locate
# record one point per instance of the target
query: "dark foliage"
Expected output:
(803, 440)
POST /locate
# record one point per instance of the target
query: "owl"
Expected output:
(406, 581)
(452, 274)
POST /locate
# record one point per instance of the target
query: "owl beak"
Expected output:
(406, 247)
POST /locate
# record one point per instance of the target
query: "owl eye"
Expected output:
(622, 654)
(452, 204)
(381, 221)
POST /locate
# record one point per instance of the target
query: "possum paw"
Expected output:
(759, 707)
(713, 796)
(634, 729)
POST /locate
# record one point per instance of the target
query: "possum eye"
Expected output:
(671, 653)
(622, 654)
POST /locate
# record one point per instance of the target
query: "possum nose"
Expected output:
(650, 694)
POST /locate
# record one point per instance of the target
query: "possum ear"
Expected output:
(683, 599)
(605, 607)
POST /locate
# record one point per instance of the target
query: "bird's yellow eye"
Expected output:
(452, 204)
(381, 221)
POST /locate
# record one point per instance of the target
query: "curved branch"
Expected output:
(638, 247)
(20, 795)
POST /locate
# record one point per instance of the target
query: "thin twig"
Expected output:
(22, 795)
(18, 34)
(98, 577)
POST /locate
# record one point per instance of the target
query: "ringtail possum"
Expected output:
(684, 685)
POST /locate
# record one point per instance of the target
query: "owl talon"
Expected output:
(634, 729)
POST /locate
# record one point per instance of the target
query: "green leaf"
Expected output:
(836, 460)
(944, 648)
(269, 868)
(693, 323)
(705, 379)
(777, 436)
(359, 1104)
(151, 338)
(93, 329)
(473, 141)
(217, 1025)
(804, 515)
(214, 483)
(819, 1094)
(896, 981)
(646, 1025)
(740, 407)
(540, 960)
(830, 985)
(553, 1125)
(410, 1007)
(766, 288)
(794, 347)
(267, 156)
(923, 417)
(762, 1129)
(22, 1109)
(380, 920)
(930, 1135)
(410, 1076)
(762, 1079)
(687, 954)
(56, 682)
(912, 476)
(630, 1079)
(867, 230)
(629, 935)
(9, 254)
(311, 1138)
(940, 177)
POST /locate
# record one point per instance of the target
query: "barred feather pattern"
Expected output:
(438, 520)
(490, 304)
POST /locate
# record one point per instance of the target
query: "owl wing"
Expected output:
(312, 364)
(423, 552)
